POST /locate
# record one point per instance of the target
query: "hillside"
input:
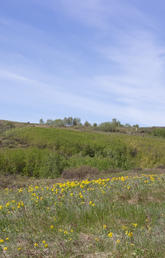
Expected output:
(115, 208)
(28, 149)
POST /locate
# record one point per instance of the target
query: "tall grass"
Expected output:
(117, 217)
(46, 152)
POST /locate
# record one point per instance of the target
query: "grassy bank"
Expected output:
(47, 152)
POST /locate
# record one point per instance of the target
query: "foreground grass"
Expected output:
(117, 217)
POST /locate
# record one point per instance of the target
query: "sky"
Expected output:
(93, 59)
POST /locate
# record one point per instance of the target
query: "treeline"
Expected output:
(112, 126)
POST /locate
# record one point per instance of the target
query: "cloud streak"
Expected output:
(101, 57)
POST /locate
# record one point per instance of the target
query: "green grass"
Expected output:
(117, 217)
(46, 152)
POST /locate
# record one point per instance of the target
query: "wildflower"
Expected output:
(44, 242)
(134, 224)
(104, 226)
(122, 179)
(110, 234)
(7, 204)
(118, 241)
(124, 227)
(19, 248)
(130, 234)
(7, 238)
(46, 245)
(51, 226)
(1, 241)
(1, 207)
(5, 248)
(35, 245)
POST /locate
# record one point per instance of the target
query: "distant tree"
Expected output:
(87, 124)
(127, 125)
(95, 125)
(136, 127)
(107, 127)
(76, 121)
(41, 121)
(58, 123)
(68, 121)
(49, 122)
(115, 122)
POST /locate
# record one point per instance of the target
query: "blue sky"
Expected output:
(93, 59)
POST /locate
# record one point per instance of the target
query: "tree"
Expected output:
(68, 121)
(41, 121)
(87, 124)
(49, 122)
(107, 127)
(58, 123)
(76, 121)
(115, 122)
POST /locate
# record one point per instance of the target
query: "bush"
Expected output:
(53, 165)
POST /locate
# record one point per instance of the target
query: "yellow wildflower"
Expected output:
(110, 234)
(128, 233)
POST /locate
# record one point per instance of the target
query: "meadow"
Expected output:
(111, 217)
(47, 152)
(81, 193)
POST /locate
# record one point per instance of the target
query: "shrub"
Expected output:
(53, 165)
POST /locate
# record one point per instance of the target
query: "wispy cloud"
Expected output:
(98, 59)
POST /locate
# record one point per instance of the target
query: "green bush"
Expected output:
(53, 165)
(46, 152)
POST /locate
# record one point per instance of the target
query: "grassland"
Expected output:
(47, 152)
(117, 209)
(112, 217)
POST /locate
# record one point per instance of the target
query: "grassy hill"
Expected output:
(30, 150)
(120, 215)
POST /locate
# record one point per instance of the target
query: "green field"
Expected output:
(47, 152)
(112, 206)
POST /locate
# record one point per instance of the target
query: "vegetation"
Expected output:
(47, 152)
(114, 217)
(120, 215)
